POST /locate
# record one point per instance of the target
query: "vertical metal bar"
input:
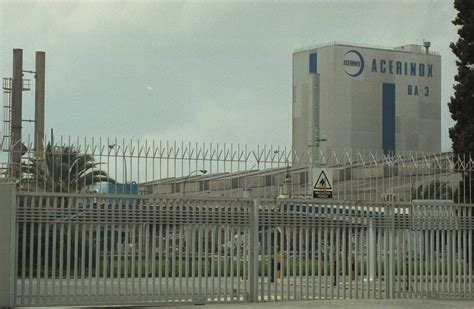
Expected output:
(31, 259)
(97, 259)
(345, 257)
(331, 257)
(38, 258)
(438, 259)
(380, 257)
(214, 229)
(180, 259)
(140, 255)
(133, 243)
(356, 260)
(268, 256)
(219, 253)
(314, 256)
(245, 260)
(83, 258)
(104, 260)
(253, 251)
(24, 232)
(283, 258)
(160, 257)
(237, 258)
(275, 258)
(46, 257)
(193, 261)
(459, 255)
(75, 258)
(90, 269)
(126, 244)
(167, 262)
(464, 251)
(432, 260)
(199, 260)
(288, 261)
(386, 257)
(111, 276)
(153, 254)
(338, 244)
(420, 260)
(226, 263)
(173, 262)
(391, 252)
(450, 260)
(61, 252)
(443, 253)
(120, 245)
(68, 257)
(469, 244)
(295, 258)
(405, 277)
(350, 256)
(426, 259)
(416, 262)
(262, 262)
(453, 261)
(362, 260)
(306, 249)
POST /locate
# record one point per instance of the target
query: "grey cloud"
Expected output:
(219, 71)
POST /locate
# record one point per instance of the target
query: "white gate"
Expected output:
(83, 249)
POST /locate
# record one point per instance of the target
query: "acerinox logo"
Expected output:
(353, 63)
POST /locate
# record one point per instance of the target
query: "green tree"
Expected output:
(461, 105)
(63, 169)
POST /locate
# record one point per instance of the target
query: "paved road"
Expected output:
(365, 304)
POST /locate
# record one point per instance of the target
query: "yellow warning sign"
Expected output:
(322, 187)
(323, 182)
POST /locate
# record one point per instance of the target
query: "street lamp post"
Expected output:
(186, 179)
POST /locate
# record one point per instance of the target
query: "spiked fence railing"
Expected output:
(214, 169)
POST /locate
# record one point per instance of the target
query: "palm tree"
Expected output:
(63, 169)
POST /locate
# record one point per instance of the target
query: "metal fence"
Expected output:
(102, 221)
(130, 249)
(169, 168)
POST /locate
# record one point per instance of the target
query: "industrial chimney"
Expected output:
(39, 103)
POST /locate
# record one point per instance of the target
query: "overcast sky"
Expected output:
(198, 71)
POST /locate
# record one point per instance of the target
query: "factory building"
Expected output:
(366, 98)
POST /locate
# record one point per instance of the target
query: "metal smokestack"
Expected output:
(17, 89)
(39, 103)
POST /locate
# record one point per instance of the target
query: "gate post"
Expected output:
(7, 244)
(253, 252)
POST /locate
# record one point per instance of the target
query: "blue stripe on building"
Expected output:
(388, 118)
(313, 63)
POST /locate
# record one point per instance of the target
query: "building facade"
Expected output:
(375, 99)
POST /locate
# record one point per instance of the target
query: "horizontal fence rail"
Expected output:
(78, 248)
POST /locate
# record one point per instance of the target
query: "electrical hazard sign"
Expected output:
(322, 183)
